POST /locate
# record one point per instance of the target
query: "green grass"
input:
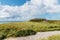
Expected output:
(36, 26)
(13, 29)
(53, 37)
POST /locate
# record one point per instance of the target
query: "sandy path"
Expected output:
(38, 36)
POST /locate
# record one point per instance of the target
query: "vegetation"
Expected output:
(18, 29)
(38, 20)
(53, 37)
(5, 33)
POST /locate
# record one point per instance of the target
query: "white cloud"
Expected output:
(29, 10)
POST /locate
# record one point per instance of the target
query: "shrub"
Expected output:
(51, 21)
(38, 20)
(21, 33)
(25, 33)
(3, 34)
(12, 32)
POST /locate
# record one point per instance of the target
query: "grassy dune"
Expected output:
(36, 26)
(13, 29)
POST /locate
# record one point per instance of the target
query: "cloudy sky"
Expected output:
(21, 10)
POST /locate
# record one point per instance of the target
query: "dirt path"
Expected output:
(38, 36)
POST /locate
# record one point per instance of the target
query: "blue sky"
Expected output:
(21, 10)
(13, 2)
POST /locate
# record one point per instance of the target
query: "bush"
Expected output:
(3, 34)
(12, 32)
(38, 20)
(25, 33)
(21, 33)
(51, 21)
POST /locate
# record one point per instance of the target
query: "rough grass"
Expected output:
(36, 26)
(9, 29)
(53, 37)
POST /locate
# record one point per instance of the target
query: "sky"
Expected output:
(23, 10)
(13, 2)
